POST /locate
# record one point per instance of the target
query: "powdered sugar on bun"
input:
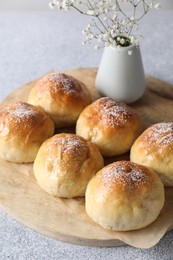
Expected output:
(159, 134)
(62, 96)
(124, 196)
(154, 148)
(113, 113)
(64, 84)
(23, 128)
(127, 175)
(111, 125)
(20, 111)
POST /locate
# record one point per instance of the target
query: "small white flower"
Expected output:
(130, 52)
(157, 6)
(132, 39)
(115, 8)
(123, 22)
(88, 38)
(96, 47)
(51, 5)
(151, 5)
(105, 37)
(114, 17)
(90, 12)
(113, 32)
(122, 41)
(99, 38)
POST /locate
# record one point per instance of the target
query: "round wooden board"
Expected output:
(66, 219)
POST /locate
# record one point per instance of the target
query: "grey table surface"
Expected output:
(32, 43)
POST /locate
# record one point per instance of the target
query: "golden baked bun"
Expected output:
(23, 128)
(111, 125)
(124, 196)
(61, 96)
(65, 163)
(154, 148)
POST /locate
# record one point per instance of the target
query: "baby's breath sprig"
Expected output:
(114, 22)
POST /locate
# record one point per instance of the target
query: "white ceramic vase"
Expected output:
(120, 75)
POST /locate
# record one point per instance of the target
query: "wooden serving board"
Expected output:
(66, 219)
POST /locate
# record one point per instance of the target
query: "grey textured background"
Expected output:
(31, 43)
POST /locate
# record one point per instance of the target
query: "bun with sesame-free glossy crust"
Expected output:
(111, 125)
(62, 97)
(154, 148)
(124, 196)
(23, 128)
(65, 163)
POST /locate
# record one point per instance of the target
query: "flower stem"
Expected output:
(97, 16)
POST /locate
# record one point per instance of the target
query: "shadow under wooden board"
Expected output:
(66, 219)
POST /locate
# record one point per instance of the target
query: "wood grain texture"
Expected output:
(65, 219)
